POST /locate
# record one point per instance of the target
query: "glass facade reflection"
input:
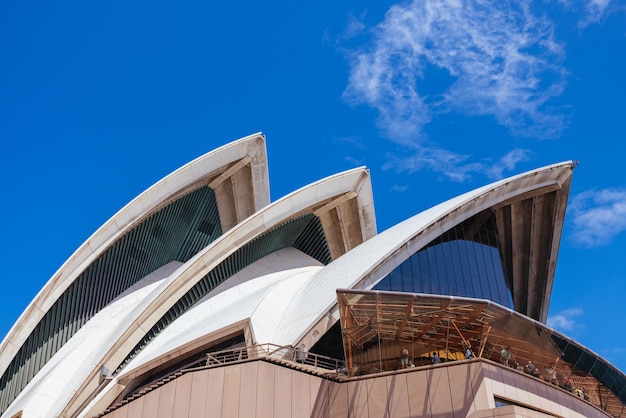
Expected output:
(464, 261)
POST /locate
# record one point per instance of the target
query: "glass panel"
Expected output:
(467, 277)
(432, 271)
(407, 276)
(417, 277)
(486, 288)
(458, 269)
(451, 272)
(473, 271)
(454, 265)
(424, 276)
(395, 280)
(442, 276)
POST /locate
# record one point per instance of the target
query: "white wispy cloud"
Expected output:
(596, 8)
(354, 141)
(597, 216)
(565, 320)
(504, 62)
(595, 11)
(501, 58)
(506, 163)
(591, 11)
(453, 166)
(353, 160)
(399, 189)
(355, 26)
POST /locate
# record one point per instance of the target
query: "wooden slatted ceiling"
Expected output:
(438, 322)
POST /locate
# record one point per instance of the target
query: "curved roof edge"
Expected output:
(375, 258)
(250, 150)
(322, 195)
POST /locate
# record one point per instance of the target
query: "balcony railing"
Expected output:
(312, 361)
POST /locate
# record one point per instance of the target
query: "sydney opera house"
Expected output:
(203, 298)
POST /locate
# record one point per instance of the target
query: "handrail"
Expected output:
(269, 350)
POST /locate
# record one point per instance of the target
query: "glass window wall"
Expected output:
(464, 261)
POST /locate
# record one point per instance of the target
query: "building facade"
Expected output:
(202, 298)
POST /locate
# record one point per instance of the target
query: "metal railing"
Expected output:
(272, 351)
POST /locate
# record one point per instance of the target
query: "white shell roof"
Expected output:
(365, 265)
(293, 204)
(296, 306)
(128, 329)
(286, 298)
(261, 300)
(147, 202)
(53, 386)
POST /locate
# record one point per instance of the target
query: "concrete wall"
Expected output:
(261, 389)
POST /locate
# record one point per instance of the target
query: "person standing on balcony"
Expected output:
(505, 355)
(404, 357)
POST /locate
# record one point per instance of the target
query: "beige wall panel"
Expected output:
(135, 408)
(521, 394)
(282, 398)
(533, 397)
(338, 401)
(572, 403)
(575, 405)
(553, 400)
(199, 388)
(542, 393)
(511, 382)
(324, 399)
(215, 392)
(315, 384)
(300, 395)
(462, 389)
(357, 399)
(377, 399)
(232, 389)
(564, 400)
(398, 395)
(439, 392)
(582, 408)
(247, 389)
(494, 375)
(265, 390)
(585, 410)
(589, 411)
(527, 391)
(150, 404)
(166, 400)
(481, 395)
(182, 399)
(417, 388)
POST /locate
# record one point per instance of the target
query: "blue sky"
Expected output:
(99, 100)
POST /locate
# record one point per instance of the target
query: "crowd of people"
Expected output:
(549, 374)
